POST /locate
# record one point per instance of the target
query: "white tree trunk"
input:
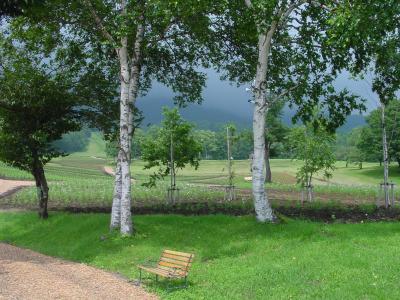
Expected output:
(262, 206)
(129, 79)
(385, 158)
(127, 131)
(116, 205)
(125, 147)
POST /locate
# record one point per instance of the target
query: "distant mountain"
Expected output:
(353, 121)
(212, 118)
(203, 116)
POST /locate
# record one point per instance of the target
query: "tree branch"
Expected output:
(99, 22)
(8, 107)
(281, 95)
(284, 14)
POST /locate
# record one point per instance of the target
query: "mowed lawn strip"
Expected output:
(236, 258)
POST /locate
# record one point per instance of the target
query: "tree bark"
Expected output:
(262, 206)
(129, 90)
(129, 81)
(41, 186)
(133, 89)
(116, 205)
(126, 226)
(385, 158)
(268, 174)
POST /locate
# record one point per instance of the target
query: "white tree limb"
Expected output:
(248, 3)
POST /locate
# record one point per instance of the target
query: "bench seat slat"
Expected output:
(168, 273)
(173, 266)
(174, 261)
(176, 257)
(178, 253)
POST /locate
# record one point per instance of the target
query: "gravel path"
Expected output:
(25, 274)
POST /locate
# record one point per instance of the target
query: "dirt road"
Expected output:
(8, 187)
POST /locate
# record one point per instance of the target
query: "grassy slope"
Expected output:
(97, 146)
(283, 171)
(236, 258)
(78, 178)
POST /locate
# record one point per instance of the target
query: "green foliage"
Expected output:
(314, 148)
(44, 95)
(18, 7)
(172, 49)
(29, 120)
(371, 138)
(305, 259)
(276, 131)
(351, 146)
(176, 133)
(364, 47)
(302, 63)
(74, 141)
(214, 143)
(208, 140)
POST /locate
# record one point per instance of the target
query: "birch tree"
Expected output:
(281, 47)
(144, 40)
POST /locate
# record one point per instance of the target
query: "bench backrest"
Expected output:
(176, 262)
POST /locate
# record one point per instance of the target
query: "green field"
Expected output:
(236, 258)
(79, 180)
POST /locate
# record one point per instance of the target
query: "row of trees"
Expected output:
(290, 50)
(365, 144)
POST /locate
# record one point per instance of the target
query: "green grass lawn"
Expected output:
(236, 258)
(283, 172)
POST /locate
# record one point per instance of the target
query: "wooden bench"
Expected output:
(172, 265)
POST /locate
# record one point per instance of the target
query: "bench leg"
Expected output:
(156, 278)
(140, 276)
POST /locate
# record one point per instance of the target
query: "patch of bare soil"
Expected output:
(25, 274)
(8, 187)
(110, 171)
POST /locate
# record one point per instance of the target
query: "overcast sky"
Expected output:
(225, 97)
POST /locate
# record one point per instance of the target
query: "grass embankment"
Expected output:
(236, 258)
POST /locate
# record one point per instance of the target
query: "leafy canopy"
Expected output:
(35, 110)
(43, 94)
(302, 63)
